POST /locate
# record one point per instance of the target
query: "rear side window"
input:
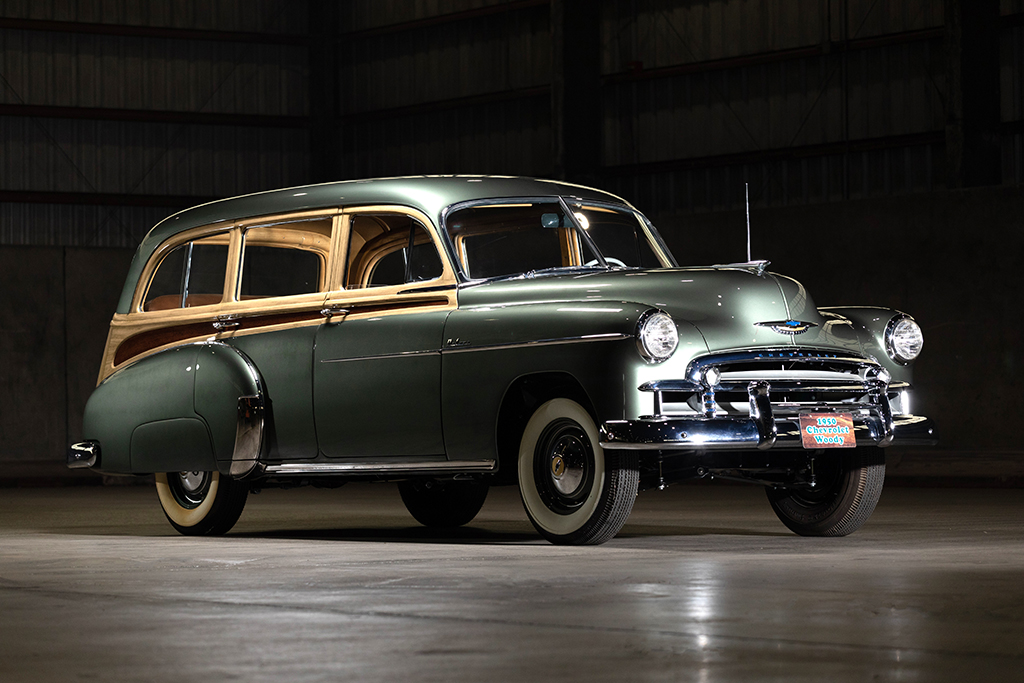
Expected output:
(284, 259)
(192, 274)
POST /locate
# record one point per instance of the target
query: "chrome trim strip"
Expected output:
(326, 468)
(611, 336)
(401, 354)
(248, 437)
(456, 346)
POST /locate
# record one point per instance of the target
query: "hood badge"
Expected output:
(787, 326)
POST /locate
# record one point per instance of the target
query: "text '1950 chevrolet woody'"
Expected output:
(455, 333)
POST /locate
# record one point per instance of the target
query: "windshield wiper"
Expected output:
(544, 272)
(559, 270)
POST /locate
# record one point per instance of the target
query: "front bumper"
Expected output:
(874, 425)
(729, 433)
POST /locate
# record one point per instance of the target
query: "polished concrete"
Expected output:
(703, 584)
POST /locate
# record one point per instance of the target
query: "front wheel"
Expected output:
(849, 486)
(201, 503)
(574, 492)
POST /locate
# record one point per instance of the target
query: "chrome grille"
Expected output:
(799, 379)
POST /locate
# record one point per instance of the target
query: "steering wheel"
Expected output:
(609, 260)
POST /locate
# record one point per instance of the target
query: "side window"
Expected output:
(284, 259)
(620, 237)
(390, 250)
(192, 274)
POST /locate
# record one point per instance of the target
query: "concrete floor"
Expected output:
(704, 584)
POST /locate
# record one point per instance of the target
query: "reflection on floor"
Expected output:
(703, 584)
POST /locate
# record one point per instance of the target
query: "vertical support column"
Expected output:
(324, 138)
(973, 117)
(576, 90)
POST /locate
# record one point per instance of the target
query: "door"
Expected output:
(377, 359)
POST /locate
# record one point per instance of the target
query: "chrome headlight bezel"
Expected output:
(901, 348)
(657, 336)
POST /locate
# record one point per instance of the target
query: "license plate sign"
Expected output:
(827, 430)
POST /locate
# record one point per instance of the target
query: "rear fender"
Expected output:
(144, 418)
(230, 397)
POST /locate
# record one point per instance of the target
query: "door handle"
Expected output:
(332, 311)
(224, 323)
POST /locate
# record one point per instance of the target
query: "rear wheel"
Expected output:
(849, 486)
(443, 504)
(201, 503)
(574, 492)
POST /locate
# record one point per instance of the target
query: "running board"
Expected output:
(328, 468)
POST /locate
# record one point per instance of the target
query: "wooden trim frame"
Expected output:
(394, 299)
(141, 333)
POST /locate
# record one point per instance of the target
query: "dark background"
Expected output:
(883, 143)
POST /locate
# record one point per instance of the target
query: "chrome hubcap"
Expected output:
(191, 481)
(568, 464)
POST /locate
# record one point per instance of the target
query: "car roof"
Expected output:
(429, 194)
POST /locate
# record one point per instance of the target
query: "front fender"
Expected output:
(869, 323)
(488, 348)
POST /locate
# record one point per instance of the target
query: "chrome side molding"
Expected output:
(83, 455)
(427, 467)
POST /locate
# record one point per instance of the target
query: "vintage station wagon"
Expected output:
(456, 333)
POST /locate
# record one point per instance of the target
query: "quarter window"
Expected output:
(192, 274)
(390, 250)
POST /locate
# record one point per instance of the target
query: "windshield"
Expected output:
(526, 237)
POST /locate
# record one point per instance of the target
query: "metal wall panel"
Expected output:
(659, 33)
(270, 16)
(62, 155)
(891, 91)
(67, 69)
(1011, 75)
(116, 70)
(363, 14)
(808, 180)
(386, 79)
(866, 18)
(58, 224)
(503, 138)
(452, 60)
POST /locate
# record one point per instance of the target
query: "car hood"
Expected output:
(729, 306)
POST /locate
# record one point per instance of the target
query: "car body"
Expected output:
(453, 333)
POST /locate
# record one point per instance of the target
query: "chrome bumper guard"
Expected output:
(761, 430)
(84, 455)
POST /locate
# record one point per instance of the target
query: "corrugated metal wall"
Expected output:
(466, 95)
(1011, 85)
(142, 109)
(764, 78)
(808, 102)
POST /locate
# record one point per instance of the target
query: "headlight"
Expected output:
(903, 339)
(657, 336)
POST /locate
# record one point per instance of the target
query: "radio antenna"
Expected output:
(747, 192)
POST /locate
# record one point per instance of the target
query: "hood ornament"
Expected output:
(790, 327)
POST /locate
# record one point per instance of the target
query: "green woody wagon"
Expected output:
(456, 333)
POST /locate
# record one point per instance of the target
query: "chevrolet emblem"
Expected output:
(787, 326)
